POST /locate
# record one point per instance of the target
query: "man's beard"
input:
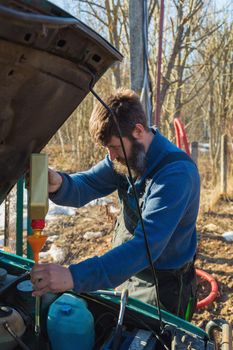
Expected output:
(136, 161)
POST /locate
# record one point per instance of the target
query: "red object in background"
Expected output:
(214, 288)
(159, 65)
(180, 134)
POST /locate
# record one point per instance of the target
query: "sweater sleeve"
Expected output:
(165, 205)
(82, 187)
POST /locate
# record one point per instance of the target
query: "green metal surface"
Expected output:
(29, 231)
(19, 217)
(13, 260)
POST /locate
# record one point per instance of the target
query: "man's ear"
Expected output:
(138, 131)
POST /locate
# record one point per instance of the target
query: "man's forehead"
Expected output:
(114, 142)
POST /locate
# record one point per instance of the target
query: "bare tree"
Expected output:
(197, 69)
(221, 92)
(111, 17)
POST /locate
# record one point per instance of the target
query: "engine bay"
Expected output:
(109, 318)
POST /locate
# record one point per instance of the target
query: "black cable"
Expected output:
(157, 336)
(133, 317)
(103, 327)
(138, 206)
(31, 18)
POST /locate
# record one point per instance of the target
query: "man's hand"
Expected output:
(55, 181)
(50, 278)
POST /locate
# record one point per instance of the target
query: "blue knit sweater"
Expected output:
(169, 212)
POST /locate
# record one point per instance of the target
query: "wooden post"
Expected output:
(223, 174)
(136, 44)
(139, 77)
(194, 151)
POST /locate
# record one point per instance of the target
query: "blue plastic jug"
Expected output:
(70, 324)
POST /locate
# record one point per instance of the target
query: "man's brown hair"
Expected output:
(128, 110)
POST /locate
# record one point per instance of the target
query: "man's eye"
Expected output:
(115, 148)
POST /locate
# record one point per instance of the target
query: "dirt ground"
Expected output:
(214, 253)
(214, 256)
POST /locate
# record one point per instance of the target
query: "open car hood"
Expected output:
(48, 61)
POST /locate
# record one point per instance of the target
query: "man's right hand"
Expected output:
(50, 278)
(55, 181)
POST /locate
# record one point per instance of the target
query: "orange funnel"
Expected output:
(36, 242)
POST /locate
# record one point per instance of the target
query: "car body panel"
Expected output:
(46, 72)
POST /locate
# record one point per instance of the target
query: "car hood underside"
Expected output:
(46, 71)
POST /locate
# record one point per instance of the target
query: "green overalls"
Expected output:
(177, 288)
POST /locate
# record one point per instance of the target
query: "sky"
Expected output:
(218, 3)
(226, 5)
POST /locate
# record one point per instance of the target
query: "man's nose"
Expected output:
(112, 155)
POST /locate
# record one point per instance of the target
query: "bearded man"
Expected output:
(167, 184)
